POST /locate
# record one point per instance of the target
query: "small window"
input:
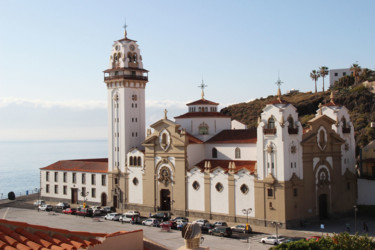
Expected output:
(344, 73)
(83, 178)
(93, 192)
(219, 187)
(65, 190)
(83, 193)
(295, 192)
(214, 153)
(93, 179)
(56, 176)
(336, 74)
(47, 176)
(116, 180)
(196, 185)
(74, 177)
(64, 177)
(47, 188)
(348, 185)
(291, 122)
(238, 153)
(270, 205)
(271, 123)
(203, 129)
(139, 161)
(56, 189)
(270, 192)
(103, 180)
(291, 165)
(131, 160)
(244, 189)
(295, 165)
(135, 181)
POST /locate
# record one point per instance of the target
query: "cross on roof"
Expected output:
(165, 113)
(202, 86)
(125, 26)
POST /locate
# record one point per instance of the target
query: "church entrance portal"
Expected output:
(323, 206)
(115, 203)
(103, 200)
(74, 196)
(165, 200)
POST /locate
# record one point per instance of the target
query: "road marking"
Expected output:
(5, 214)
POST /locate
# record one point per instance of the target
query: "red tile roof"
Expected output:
(202, 114)
(20, 235)
(202, 102)
(84, 165)
(224, 164)
(277, 101)
(331, 104)
(235, 136)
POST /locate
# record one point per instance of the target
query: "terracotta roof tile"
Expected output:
(84, 165)
(201, 114)
(224, 164)
(202, 102)
(235, 136)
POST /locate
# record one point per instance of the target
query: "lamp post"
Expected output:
(38, 202)
(355, 218)
(277, 224)
(247, 212)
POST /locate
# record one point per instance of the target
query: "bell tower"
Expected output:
(126, 82)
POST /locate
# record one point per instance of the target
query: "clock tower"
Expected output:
(126, 82)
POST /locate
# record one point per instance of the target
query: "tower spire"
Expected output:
(278, 83)
(125, 26)
(202, 86)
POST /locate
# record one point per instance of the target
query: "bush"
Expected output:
(11, 196)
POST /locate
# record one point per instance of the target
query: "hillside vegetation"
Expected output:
(357, 99)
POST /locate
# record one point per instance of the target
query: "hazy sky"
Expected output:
(52, 54)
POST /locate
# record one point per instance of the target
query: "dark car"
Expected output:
(181, 218)
(221, 231)
(161, 216)
(84, 212)
(49, 208)
(207, 227)
(107, 210)
(62, 205)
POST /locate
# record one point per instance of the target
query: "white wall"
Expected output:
(195, 197)
(195, 154)
(219, 200)
(366, 196)
(227, 151)
(244, 201)
(69, 183)
(340, 73)
(238, 125)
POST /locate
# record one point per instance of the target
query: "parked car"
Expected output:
(181, 218)
(151, 222)
(39, 202)
(221, 231)
(180, 221)
(70, 211)
(127, 217)
(207, 227)
(292, 239)
(94, 208)
(98, 212)
(84, 212)
(161, 216)
(107, 210)
(168, 224)
(112, 216)
(181, 226)
(241, 229)
(201, 222)
(220, 224)
(46, 207)
(273, 240)
(62, 205)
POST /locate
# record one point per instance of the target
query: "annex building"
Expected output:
(203, 164)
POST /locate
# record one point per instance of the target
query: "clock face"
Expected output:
(131, 47)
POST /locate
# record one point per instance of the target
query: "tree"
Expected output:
(355, 69)
(315, 75)
(323, 72)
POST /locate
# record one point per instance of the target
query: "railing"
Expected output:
(269, 131)
(346, 130)
(293, 131)
(130, 77)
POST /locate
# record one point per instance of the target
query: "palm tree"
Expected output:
(315, 75)
(355, 69)
(323, 72)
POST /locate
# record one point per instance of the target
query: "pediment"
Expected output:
(163, 123)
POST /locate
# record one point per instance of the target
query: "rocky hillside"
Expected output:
(358, 100)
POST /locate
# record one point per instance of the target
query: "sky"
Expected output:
(53, 53)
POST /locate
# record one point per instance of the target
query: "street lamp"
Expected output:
(355, 218)
(247, 212)
(84, 195)
(38, 202)
(277, 224)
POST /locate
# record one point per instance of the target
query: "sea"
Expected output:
(20, 161)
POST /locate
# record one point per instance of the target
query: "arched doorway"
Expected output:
(103, 199)
(165, 200)
(323, 206)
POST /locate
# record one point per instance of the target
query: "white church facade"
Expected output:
(203, 164)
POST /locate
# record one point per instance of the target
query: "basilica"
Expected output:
(204, 164)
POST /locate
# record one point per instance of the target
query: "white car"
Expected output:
(241, 229)
(220, 224)
(127, 217)
(273, 240)
(112, 216)
(39, 202)
(150, 222)
(200, 222)
(45, 207)
(180, 221)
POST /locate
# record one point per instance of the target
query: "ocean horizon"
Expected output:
(20, 161)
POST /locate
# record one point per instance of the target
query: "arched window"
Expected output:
(238, 153)
(214, 153)
(291, 122)
(343, 120)
(135, 181)
(199, 109)
(203, 129)
(164, 139)
(206, 109)
(131, 160)
(271, 123)
(139, 161)
(196, 185)
(134, 57)
(130, 57)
